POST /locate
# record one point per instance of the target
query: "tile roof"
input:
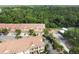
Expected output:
(36, 27)
(16, 46)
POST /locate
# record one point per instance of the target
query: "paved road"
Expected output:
(2, 38)
(61, 40)
(50, 48)
(11, 36)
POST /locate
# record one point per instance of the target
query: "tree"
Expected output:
(5, 31)
(46, 32)
(32, 32)
(52, 16)
(18, 31)
(46, 48)
(74, 50)
(73, 37)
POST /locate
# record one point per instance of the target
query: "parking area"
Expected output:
(11, 36)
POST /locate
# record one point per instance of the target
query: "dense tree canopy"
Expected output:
(52, 16)
(73, 37)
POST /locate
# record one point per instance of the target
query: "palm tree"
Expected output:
(32, 32)
(5, 31)
(18, 31)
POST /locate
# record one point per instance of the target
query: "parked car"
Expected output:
(62, 30)
(1, 34)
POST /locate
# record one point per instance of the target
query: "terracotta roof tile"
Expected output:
(16, 46)
(36, 27)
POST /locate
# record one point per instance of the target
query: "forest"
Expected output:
(72, 35)
(51, 16)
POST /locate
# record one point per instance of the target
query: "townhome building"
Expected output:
(38, 28)
(30, 45)
(24, 45)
